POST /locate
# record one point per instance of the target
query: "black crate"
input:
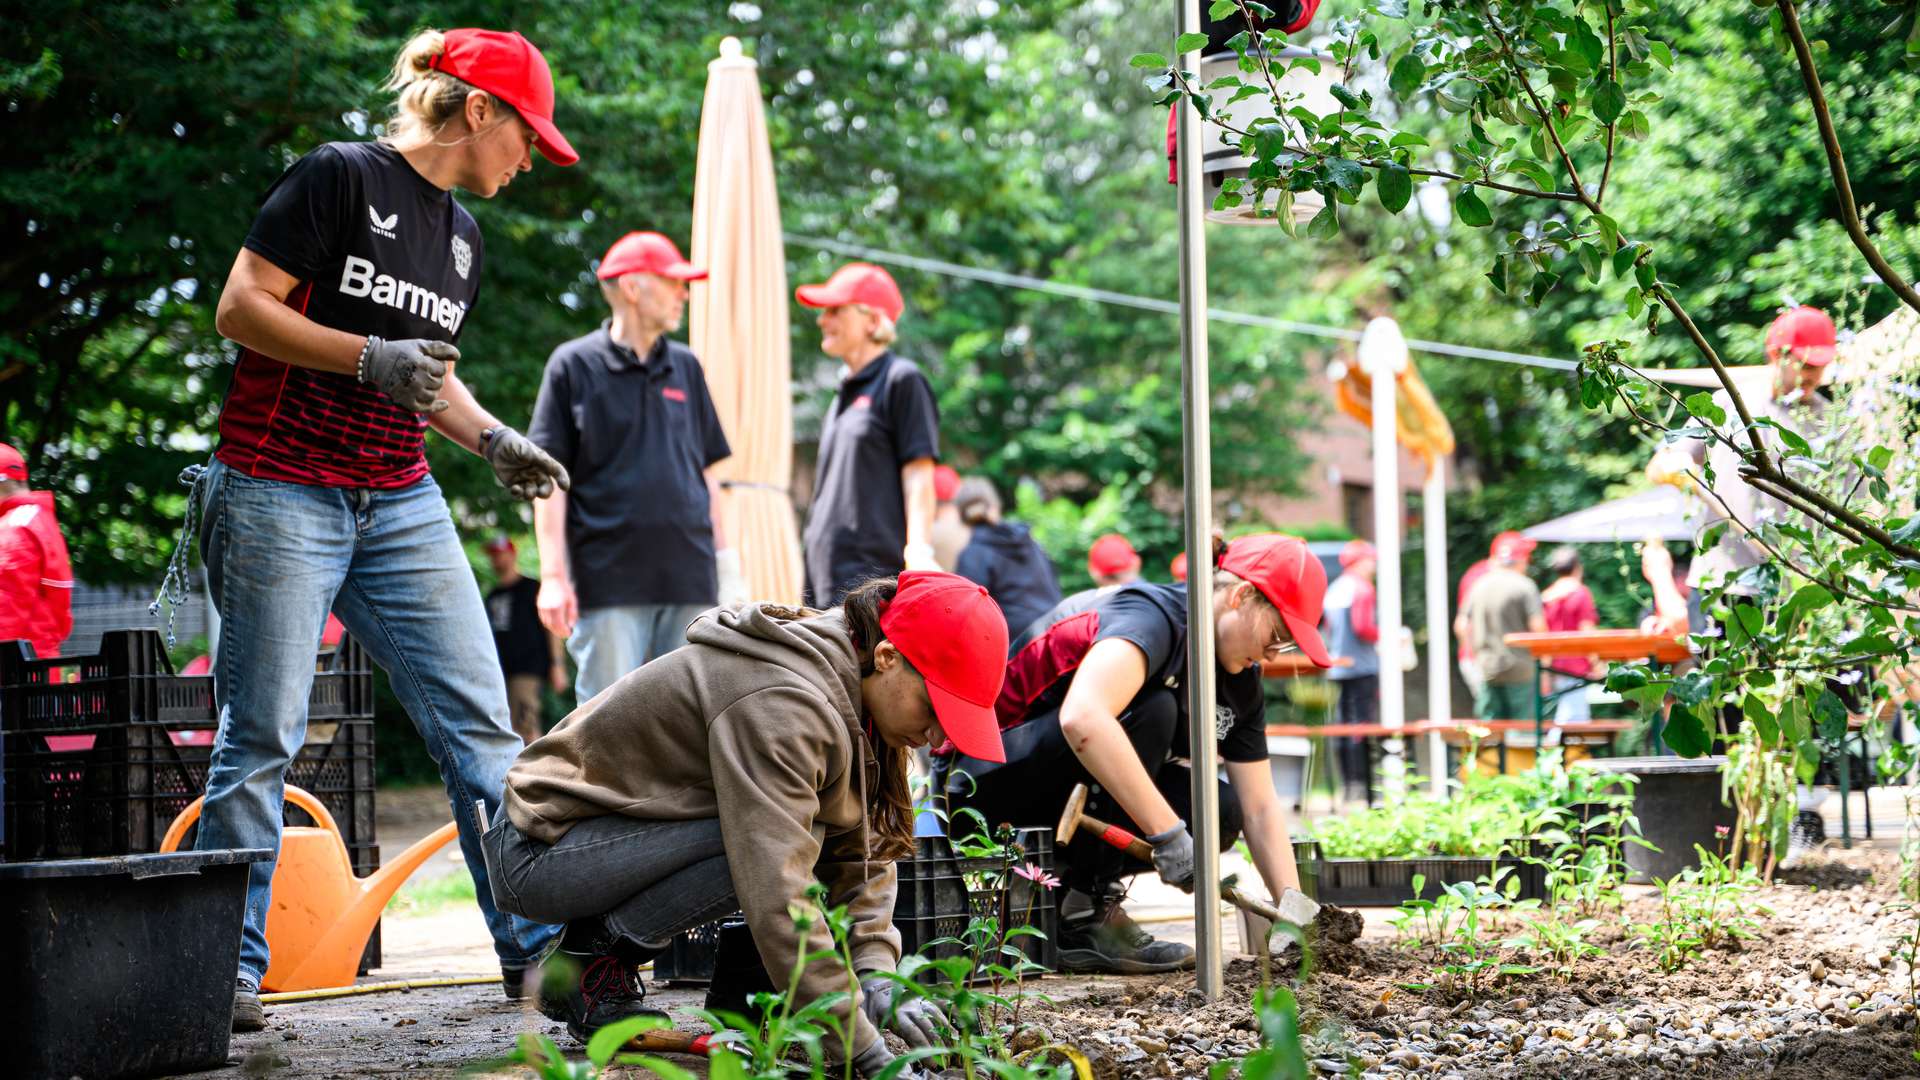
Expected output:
(1389, 882)
(941, 893)
(690, 957)
(131, 681)
(115, 791)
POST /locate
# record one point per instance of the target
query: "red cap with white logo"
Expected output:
(1110, 555)
(647, 253)
(856, 283)
(946, 481)
(507, 66)
(954, 635)
(12, 465)
(1806, 333)
(1289, 576)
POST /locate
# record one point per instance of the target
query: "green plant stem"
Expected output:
(1613, 68)
(1836, 159)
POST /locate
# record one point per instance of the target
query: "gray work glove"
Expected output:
(1298, 908)
(877, 1057)
(1173, 856)
(410, 372)
(524, 469)
(916, 1020)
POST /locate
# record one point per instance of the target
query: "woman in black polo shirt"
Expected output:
(356, 279)
(1095, 695)
(873, 498)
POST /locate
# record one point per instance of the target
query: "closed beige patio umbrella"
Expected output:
(738, 320)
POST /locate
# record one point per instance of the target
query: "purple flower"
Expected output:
(1034, 873)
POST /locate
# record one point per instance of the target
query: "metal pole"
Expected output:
(1439, 640)
(1196, 452)
(1383, 356)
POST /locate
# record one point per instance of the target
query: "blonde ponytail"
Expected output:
(426, 100)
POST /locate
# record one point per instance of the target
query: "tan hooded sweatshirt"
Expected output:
(758, 723)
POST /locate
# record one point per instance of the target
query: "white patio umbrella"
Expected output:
(738, 320)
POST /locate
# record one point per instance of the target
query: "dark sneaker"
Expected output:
(1110, 943)
(587, 992)
(248, 1013)
(513, 980)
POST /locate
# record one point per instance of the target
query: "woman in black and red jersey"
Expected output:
(1096, 695)
(356, 279)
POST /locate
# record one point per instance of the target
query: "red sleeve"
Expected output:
(1366, 621)
(1588, 614)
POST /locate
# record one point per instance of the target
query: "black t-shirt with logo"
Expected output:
(377, 250)
(1154, 618)
(882, 418)
(636, 434)
(517, 634)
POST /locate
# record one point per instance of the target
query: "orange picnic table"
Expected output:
(1611, 645)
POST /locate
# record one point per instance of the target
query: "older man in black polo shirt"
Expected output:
(638, 547)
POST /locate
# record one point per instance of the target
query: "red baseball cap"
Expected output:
(856, 283)
(946, 481)
(498, 542)
(12, 465)
(1807, 333)
(1515, 545)
(1286, 573)
(1178, 567)
(507, 66)
(1355, 551)
(954, 635)
(1110, 555)
(647, 253)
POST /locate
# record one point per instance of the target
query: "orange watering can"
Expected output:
(322, 915)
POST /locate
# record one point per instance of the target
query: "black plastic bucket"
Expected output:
(123, 966)
(1678, 803)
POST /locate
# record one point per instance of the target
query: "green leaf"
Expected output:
(1407, 138)
(1187, 43)
(1471, 210)
(1221, 9)
(1392, 9)
(1394, 185)
(1661, 54)
(1533, 171)
(1408, 73)
(1458, 94)
(608, 1040)
(1762, 719)
(1880, 457)
(660, 1067)
(1808, 598)
(1147, 60)
(1623, 259)
(1685, 733)
(1592, 262)
(1586, 44)
(1830, 714)
(1702, 406)
(1633, 124)
(725, 1067)
(1609, 232)
(1347, 98)
(1348, 176)
(1643, 273)
(1693, 688)
(1609, 101)
(1499, 275)
(1325, 224)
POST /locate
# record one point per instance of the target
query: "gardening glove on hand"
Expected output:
(410, 372)
(917, 1021)
(733, 578)
(876, 1058)
(524, 469)
(1296, 908)
(1173, 856)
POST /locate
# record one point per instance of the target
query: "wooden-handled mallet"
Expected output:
(669, 1041)
(1075, 817)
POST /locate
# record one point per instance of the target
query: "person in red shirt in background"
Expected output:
(949, 535)
(1112, 561)
(36, 579)
(1569, 606)
(1470, 668)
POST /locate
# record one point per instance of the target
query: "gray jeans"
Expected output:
(608, 642)
(649, 879)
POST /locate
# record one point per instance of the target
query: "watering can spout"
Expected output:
(378, 887)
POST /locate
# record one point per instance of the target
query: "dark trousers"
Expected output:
(649, 879)
(1359, 704)
(1031, 788)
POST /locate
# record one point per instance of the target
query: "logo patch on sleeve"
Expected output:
(462, 258)
(383, 226)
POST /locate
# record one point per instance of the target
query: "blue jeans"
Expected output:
(608, 642)
(388, 563)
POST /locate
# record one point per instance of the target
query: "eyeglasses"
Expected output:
(1281, 642)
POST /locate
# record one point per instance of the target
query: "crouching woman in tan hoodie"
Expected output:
(768, 754)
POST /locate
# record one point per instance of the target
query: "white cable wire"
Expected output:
(1147, 303)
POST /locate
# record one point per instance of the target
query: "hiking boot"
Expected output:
(248, 1013)
(513, 980)
(1105, 941)
(591, 979)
